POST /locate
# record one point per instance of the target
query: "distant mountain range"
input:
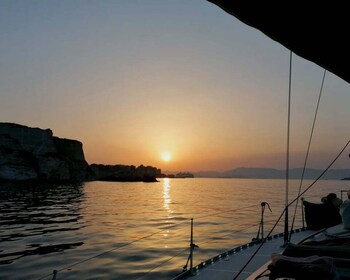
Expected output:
(271, 173)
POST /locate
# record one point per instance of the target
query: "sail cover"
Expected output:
(316, 31)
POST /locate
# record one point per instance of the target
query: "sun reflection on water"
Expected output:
(166, 196)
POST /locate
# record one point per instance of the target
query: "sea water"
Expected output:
(115, 230)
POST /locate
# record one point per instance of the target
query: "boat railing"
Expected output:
(257, 240)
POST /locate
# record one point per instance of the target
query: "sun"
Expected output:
(166, 156)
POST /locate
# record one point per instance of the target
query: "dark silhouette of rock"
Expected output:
(15, 162)
(125, 173)
(34, 154)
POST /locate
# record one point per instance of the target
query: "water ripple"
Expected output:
(49, 227)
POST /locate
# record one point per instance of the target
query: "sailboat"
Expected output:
(316, 251)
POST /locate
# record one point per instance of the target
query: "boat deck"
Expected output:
(228, 264)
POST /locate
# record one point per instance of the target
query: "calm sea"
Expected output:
(109, 230)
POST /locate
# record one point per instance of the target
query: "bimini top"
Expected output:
(316, 32)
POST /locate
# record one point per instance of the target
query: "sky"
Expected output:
(134, 79)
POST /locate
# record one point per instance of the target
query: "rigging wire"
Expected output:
(288, 140)
(314, 182)
(307, 152)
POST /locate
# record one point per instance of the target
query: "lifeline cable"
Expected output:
(134, 241)
(238, 231)
(115, 248)
(164, 262)
(221, 212)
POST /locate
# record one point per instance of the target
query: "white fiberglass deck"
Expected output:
(227, 267)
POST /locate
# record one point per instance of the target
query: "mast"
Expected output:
(286, 226)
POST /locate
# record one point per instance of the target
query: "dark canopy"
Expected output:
(316, 31)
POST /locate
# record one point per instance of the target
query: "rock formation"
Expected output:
(125, 173)
(34, 154)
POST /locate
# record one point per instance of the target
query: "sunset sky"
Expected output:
(135, 79)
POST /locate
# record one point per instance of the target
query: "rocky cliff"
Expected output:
(35, 154)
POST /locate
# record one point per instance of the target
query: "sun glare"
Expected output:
(166, 156)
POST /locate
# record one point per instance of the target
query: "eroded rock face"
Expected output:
(34, 154)
(15, 162)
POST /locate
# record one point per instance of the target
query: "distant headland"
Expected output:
(271, 173)
(34, 154)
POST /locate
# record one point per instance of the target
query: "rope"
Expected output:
(264, 240)
(307, 152)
